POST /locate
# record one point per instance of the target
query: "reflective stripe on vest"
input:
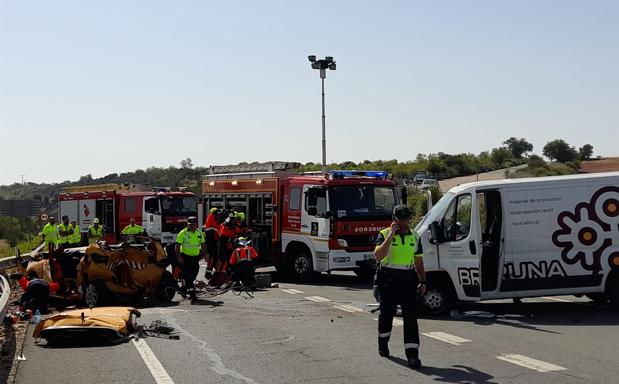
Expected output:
(239, 255)
(400, 255)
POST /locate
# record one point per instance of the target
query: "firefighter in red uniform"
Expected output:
(242, 264)
(227, 234)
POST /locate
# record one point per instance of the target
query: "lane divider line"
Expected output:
(347, 308)
(292, 291)
(446, 338)
(154, 366)
(396, 322)
(318, 299)
(557, 299)
(534, 364)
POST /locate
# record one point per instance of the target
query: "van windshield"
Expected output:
(437, 210)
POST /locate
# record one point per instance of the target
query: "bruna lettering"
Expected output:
(533, 270)
(468, 276)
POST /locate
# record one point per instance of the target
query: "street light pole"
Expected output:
(323, 65)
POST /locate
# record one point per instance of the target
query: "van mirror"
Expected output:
(434, 233)
(404, 194)
(328, 215)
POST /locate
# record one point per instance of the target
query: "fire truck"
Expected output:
(304, 224)
(162, 212)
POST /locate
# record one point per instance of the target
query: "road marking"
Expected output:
(318, 299)
(527, 362)
(447, 338)
(557, 299)
(396, 322)
(347, 308)
(154, 366)
(292, 291)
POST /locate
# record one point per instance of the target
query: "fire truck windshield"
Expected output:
(362, 201)
(179, 205)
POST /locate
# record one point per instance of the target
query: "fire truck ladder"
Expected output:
(274, 168)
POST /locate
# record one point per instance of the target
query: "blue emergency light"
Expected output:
(343, 174)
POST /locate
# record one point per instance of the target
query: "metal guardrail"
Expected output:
(5, 293)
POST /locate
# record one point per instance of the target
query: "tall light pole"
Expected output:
(323, 65)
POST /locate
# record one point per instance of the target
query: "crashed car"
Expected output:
(102, 274)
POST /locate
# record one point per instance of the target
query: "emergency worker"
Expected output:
(190, 247)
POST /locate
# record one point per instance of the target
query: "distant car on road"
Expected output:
(418, 179)
(428, 183)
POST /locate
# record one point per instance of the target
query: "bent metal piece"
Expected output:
(113, 323)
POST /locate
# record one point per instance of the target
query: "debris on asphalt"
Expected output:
(21, 357)
(275, 285)
(455, 314)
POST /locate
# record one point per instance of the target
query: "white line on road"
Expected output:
(557, 299)
(396, 322)
(318, 299)
(527, 362)
(154, 366)
(347, 308)
(292, 291)
(447, 338)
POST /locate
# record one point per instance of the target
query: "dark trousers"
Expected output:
(398, 287)
(190, 269)
(225, 251)
(211, 245)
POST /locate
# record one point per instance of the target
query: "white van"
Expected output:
(523, 238)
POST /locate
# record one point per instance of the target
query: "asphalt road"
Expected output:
(324, 333)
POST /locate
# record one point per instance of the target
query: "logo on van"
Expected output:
(589, 234)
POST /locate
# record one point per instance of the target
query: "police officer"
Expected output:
(190, 246)
(400, 276)
(76, 238)
(132, 229)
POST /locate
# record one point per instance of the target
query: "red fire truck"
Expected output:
(306, 223)
(162, 212)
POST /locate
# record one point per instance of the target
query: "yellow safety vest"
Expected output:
(190, 241)
(64, 228)
(97, 232)
(132, 230)
(50, 233)
(401, 255)
(77, 235)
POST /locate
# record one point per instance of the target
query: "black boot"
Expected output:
(383, 347)
(413, 359)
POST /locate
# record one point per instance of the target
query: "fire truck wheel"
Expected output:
(95, 293)
(301, 267)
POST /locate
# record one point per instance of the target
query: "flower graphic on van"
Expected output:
(591, 231)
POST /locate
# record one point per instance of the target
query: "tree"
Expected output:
(518, 147)
(560, 151)
(187, 163)
(500, 156)
(586, 151)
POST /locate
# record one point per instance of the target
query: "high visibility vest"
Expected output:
(190, 241)
(132, 230)
(76, 238)
(64, 228)
(50, 233)
(96, 232)
(401, 255)
(243, 254)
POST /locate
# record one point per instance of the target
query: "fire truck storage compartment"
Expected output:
(258, 209)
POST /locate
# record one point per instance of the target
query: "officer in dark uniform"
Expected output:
(399, 278)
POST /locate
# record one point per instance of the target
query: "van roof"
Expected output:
(528, 180)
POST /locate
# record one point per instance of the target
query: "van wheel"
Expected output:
(437, 300)
(167, 287)
(301, 267)
(96, 293)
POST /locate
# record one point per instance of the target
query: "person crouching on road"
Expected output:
(242, 264)
(400, 276)
(190, 247)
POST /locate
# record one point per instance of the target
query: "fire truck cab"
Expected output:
(162, 212)
(305, 224)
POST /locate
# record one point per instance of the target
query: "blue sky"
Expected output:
(118, 85)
